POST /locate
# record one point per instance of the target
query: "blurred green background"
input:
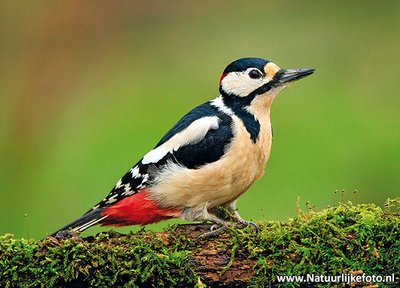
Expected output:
(88, 87)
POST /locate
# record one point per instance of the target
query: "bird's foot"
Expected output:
(243, 224)
(221, 226)
(216, 229)
(213, 232)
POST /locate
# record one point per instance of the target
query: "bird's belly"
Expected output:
(218, 182)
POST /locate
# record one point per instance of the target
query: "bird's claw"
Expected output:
(212, 233)
(214, 227)
(243, 224)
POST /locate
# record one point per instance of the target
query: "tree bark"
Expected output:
(211, 258)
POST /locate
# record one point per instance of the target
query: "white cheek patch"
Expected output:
(240, 84)
(193, 134)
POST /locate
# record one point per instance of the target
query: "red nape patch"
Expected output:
(137, 209)
(222, 78)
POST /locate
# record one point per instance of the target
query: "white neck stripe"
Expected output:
(219, 103)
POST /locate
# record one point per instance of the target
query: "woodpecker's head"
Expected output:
(246, 78)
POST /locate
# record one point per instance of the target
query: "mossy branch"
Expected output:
(345, 239)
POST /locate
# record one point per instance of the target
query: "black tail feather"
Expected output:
(87, 220)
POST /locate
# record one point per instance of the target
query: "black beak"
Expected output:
(289, 75)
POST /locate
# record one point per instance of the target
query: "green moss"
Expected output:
(362, 239)
(109, 260)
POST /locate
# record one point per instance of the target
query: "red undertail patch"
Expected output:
(137, 209)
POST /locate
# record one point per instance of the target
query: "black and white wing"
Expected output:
(200, 137)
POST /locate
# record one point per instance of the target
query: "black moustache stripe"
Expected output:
(260, 90)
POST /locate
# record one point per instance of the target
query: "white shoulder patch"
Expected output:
(193, 134)
(154, 155)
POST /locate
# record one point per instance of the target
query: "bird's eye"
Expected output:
(254, 74)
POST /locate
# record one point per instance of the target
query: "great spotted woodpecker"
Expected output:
(206, 161)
